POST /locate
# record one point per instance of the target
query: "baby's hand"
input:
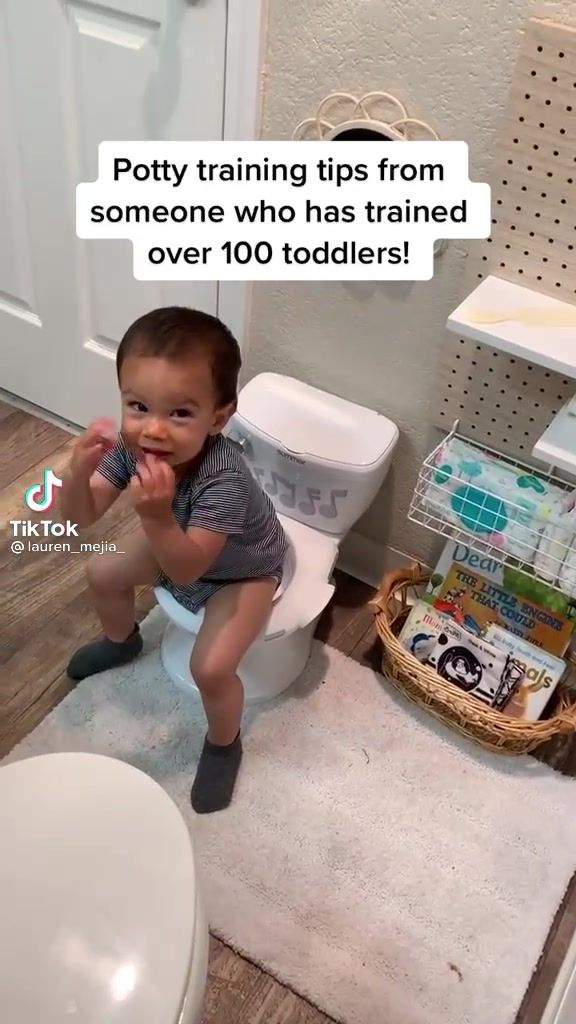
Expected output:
(152, 488)
(90, 446)
(106, 428)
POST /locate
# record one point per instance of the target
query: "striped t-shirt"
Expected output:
(218, 494)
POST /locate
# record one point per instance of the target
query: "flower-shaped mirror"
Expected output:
(374, 117)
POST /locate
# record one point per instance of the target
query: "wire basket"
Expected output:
(493, 730)
(460, 507)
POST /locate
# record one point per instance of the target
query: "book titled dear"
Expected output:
(476, 602)
(506, 576)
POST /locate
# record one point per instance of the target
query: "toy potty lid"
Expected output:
(314, 424)
(98, 894)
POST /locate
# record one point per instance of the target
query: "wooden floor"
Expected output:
(45, 614)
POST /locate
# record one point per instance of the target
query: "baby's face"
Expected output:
(169, 408)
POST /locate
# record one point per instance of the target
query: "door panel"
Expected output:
(73, 74)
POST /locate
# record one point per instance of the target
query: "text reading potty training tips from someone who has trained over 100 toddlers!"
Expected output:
(283, 210)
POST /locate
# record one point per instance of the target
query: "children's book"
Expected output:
(482, 669)
(422, 629)
(542, 673)
(476, 600)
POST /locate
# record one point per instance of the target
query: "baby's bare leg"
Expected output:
(112, 582)
(233, 619)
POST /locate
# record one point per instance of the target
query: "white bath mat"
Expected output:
(383, 868)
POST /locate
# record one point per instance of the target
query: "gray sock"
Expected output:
(216, 776)
(104, 653)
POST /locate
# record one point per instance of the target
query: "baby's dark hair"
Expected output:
(176, 332)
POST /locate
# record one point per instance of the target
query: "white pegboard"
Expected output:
(533, 241)
(501, 401)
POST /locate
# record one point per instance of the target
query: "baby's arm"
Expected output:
(218, 512)
(84, 500)
(86, 493)
(184, 557)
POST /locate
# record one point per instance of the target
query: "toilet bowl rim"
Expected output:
(79, 770)
(191, 621)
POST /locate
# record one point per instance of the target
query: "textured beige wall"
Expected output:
(451, 62)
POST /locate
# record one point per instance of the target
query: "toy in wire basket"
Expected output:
(491, 729)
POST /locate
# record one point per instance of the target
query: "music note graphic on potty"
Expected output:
(40, 497)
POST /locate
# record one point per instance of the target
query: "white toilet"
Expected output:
(101, 916)
(322, 460)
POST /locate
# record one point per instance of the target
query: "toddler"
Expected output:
(207, 532)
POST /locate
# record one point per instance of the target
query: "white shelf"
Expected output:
(557, 446)
(550, 344)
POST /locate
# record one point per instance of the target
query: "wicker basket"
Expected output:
(491, 729)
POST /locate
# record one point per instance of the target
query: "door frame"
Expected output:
(246, 28)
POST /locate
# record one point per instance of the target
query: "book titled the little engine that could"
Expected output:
(477, 590)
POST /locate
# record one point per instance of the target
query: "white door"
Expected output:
(72, 74)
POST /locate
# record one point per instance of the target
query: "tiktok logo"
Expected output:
(40, 497)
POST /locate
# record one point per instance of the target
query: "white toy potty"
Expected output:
(101, 914)
(322, 461)
(268, 667)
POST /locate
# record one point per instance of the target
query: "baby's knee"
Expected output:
(210, 672)
(101, 574)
